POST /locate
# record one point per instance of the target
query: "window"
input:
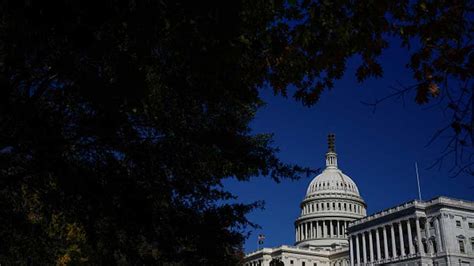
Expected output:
(461, 246)
(458, 223)
(431, 224)
(291, 261)
(303, 263)
(471, 225)
(472, 243)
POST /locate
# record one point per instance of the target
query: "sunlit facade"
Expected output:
(435, 232)
(333, 229)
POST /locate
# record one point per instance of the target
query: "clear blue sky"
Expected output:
(377, 150)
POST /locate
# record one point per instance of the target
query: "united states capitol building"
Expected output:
(334, 229)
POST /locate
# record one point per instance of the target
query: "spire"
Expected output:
(331, 156)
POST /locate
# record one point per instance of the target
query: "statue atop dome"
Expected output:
(331, 142)
(331, 156)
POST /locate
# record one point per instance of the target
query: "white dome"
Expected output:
(331, 202)
(332, 180)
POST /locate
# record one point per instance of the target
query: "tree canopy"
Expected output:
(318, 37)
(120, 119)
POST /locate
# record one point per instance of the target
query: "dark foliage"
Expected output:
(120, 119)
(313, 40)
(118, 122)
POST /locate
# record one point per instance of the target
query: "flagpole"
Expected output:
(418, 180)
(260, 239)
(258, 242)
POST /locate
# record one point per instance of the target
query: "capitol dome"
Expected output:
(332, 201)
(332, 181)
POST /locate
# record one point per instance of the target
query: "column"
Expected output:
(377, 243)
(343, 229)
(315, 229)
(305, 228)
(308, 231)
(410, 238)
(351, 251)
(357, 250)
(299, 232)
(385, 243)
(443, 231)
(364, 251)
(308, 228)
(296, 233)
(371, 247)
(302, 231)
(331, 228)
(418, 237)
(325, 229)
(394, 248)
(438, 234)
(338, 231)
(318, 230)
(400, 234)
(427, 230)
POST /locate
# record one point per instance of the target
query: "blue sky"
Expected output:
(377, 150)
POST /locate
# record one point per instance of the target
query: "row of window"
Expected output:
(327, 185)
(277, 263)
(337, 263)
(321, 206)
(459, 224)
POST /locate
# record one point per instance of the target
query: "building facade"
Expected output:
(435, 232)
(297, 256)
(333, 229)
